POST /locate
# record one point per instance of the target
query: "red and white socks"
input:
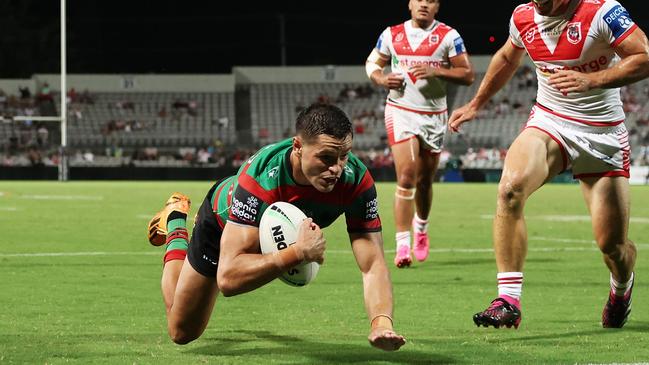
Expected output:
(403, 238)
(510, 287)
(620, 289)
(419, 225)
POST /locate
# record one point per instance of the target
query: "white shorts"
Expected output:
(403, 124)
(592, 149)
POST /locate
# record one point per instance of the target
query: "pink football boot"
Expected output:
(402, 259)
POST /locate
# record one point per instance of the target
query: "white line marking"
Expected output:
(433, 250)
(567, 218)
(57, 254)
(566, 240)
(63, 197)
(8, 209)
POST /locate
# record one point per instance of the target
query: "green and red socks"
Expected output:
(177, 237)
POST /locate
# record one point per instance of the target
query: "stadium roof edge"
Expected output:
(241, 75)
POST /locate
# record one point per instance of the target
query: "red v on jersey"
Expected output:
(571, 40)
(426, 48)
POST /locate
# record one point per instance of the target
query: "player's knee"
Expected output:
(182, 336)
(424, 181)
(511, 194)
(407, 178)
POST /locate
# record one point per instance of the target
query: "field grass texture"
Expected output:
(79, 283)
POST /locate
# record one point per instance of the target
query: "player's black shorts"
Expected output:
(205, 243)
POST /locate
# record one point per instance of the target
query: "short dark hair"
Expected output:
(319, 118)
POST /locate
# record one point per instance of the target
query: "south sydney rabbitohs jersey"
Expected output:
(408, 46)
(267, 178)
(582, 40)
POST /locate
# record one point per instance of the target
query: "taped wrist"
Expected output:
(370, 67)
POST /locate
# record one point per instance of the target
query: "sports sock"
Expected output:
(420, 225)
(403, 238)
(620, 289)
(177, 237)
(510, 286)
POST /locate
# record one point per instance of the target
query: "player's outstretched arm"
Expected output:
(377, 289)
(502, 67)
(634, 51)
(242, 267)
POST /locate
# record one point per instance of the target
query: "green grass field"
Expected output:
(80, 284)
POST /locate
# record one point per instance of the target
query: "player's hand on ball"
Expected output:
(311, 241)
(386, 339)
(393, 80)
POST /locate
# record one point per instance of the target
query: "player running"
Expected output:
(584, 50)
(423, 54)
(315, 171)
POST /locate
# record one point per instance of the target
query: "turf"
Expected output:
(101, 302)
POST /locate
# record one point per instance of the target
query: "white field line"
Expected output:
(141, 253)
(616, 363)
(63, 197)
(8, 209)
(335, 252)
(567, 218)
(96, 253)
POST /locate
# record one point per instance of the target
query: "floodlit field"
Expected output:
(80, 284)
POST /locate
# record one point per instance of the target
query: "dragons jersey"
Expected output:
(267, 178)
(583, 39)
(407, 46)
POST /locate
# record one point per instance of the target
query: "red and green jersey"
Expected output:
(267, 178)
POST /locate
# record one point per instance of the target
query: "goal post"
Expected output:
(63, 161)
(63, 166)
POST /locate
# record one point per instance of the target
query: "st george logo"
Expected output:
(529, 36)
(433, 39)
(574, 32)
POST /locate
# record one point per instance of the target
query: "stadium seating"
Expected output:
(170, 121)
(275, 106)
(153, 119)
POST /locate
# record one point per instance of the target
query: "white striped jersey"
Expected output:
(407, 46)
(583, 39)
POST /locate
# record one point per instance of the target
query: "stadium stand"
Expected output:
(275, 106)
(174, 128)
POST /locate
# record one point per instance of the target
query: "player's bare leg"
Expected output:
(405, 156)
(532, 159)
(426, 169)
(189, 299)
(607, 199)
(188, 296)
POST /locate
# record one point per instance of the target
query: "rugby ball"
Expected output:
(277, 231)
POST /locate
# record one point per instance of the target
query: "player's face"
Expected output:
(423, 11)
(324, 159)
(550, 7)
